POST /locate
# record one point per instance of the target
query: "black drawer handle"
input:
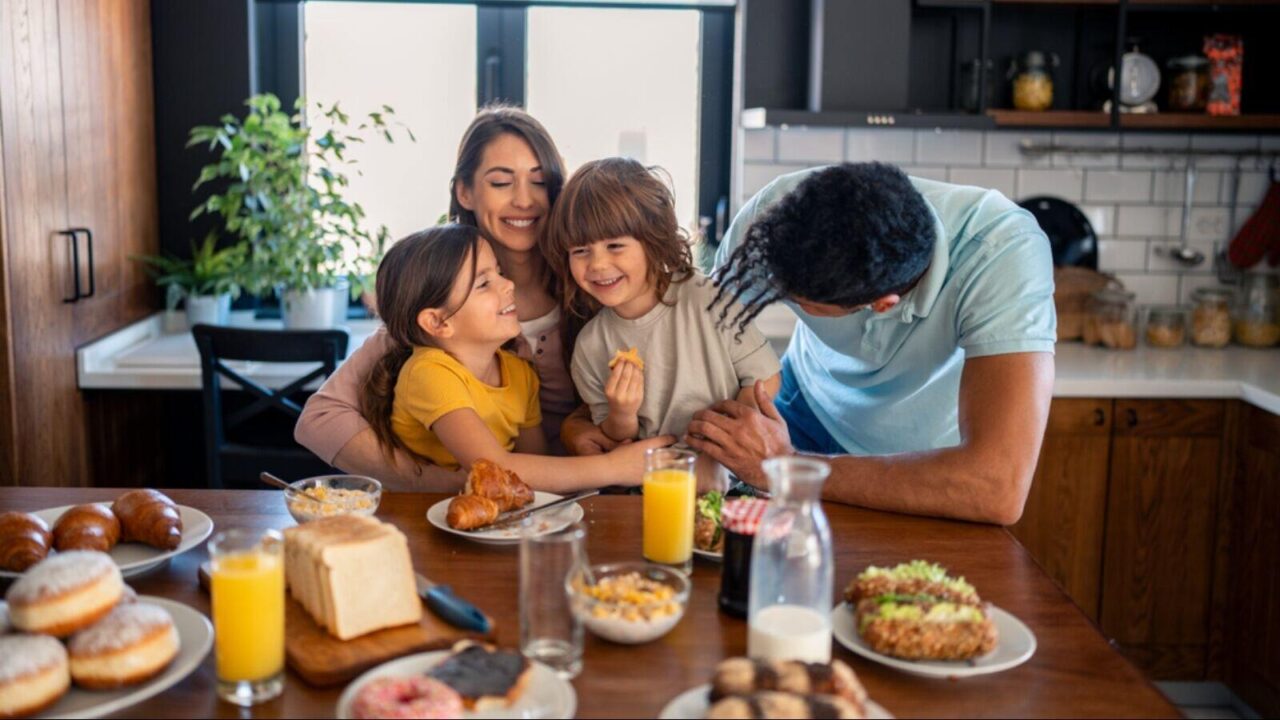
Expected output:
(1131, 416)
(75, 265)
(1099, 417)
(89, 243)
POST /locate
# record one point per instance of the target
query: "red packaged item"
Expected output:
(1226, 57)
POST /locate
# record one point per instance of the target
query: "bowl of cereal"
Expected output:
(630, 602)
(328, 495)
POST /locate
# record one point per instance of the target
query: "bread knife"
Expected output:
(515, 519)
(451, 608)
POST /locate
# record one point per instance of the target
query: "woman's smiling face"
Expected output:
(507, 194)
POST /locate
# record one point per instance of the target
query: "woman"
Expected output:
(506, 178)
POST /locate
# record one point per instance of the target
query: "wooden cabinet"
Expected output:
(1062, 523)
(1160, 533)
(1252, 605)
(76, 122)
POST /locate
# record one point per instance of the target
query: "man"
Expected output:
(922, 364)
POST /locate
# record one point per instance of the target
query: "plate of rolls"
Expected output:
(76, 642)
(749, 688)
(490, 494)
(917, 618)
(139, 530)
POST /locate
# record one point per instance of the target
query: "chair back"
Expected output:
(217, 346)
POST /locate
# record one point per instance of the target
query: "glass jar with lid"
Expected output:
(1114, 316)
(1188, 83)
(1033, 81)
(1211, 317)
(1257, 321)
(1166, 326)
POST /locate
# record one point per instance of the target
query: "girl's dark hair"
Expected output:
(612, 198)
(847, 235)
(418, 272)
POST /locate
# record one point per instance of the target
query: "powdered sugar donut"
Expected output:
(65, 592)
(131, 644)
(33, 674)
(406, 697)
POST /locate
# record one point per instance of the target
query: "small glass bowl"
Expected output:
(352, 495)
(629, 623)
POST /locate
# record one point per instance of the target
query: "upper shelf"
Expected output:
(1051, 118)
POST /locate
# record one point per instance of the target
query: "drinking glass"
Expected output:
(670, 486)
(247, 585)
(549, 631)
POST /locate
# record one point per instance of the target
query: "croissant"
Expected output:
(148, 517)
(24, 540)
(490, 480)
(468, 512)
(86, 527)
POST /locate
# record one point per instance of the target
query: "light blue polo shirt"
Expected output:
(883, 383)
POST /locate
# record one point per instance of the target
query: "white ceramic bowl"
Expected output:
(304, 509)
(629, 623)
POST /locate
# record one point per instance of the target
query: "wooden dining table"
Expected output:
(1074, 672)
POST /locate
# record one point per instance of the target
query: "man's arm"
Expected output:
(1003, 406)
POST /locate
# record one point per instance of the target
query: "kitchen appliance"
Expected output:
(1139, 82)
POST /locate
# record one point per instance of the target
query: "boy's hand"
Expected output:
(624, 390)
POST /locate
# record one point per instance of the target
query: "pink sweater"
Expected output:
(332, 415)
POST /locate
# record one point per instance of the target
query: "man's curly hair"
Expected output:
(847, 235)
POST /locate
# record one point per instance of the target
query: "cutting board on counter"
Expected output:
(323, 660)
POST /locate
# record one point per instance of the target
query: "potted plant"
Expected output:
(282, 191)
(207, 283)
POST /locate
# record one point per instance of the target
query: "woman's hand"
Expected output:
(741, 437)
(628, 459)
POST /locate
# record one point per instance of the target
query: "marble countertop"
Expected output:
(150, 356)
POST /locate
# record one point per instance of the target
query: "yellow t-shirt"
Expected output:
(433, 383)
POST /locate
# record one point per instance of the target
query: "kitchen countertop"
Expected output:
(143, 356)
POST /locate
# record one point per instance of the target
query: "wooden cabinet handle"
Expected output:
(70, 235)
(1131, 416)
(1099, 417)
(89, 244)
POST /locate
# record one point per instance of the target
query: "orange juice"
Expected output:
(668, 515)
(248, 615)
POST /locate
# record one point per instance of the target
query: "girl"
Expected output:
(445, 391)
(506, 179)
(614, 237)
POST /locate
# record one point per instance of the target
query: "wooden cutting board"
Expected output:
(323, 660)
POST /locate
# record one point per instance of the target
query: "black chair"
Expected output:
(242, 461)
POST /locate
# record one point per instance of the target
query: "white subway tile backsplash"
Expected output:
(1003, 149)
(1146, 221)
(1116, 255)
(1243, 213)
(1159, 260)
(1221, 142)
(1101, 141)
(928, 172)
(811, 145)
(993, 178)
(1170, 187)
(759, 145)
(1065, 183)
(755, 177)
(1151, 289)
(1138, 141)
(891, 146)
(1101, 217)
(1253, 186)
(1117, 186)
(948, 147)
(1269, 142)
(1207, 223)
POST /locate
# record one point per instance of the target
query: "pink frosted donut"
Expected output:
(406, 697)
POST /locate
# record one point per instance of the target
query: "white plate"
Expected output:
(546, 695)
(1016, 645)
(547, 522)
(196, 637)
(694, 704)
(708, 555)
(136, 558)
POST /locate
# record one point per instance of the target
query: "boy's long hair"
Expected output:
(612, 198)
(417, 273)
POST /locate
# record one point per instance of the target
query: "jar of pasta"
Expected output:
(1211, 317)
(1166, 327)
(1032, 81)
(1257, 320)
(1114, 319)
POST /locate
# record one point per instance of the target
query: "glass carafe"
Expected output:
(789, 605)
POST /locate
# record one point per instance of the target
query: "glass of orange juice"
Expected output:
(247, 584)
(670, 486)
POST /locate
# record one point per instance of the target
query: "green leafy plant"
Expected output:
(209, 271)
(283, 192)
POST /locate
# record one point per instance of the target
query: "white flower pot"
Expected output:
(309, 309)
(341, 298)
(208, 309)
